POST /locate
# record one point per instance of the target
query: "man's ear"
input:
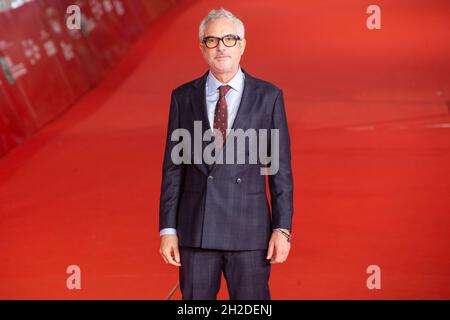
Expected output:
(243, 45)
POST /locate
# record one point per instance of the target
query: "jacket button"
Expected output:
(210, 177)
(238, 180)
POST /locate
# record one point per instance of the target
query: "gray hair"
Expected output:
(221, 13)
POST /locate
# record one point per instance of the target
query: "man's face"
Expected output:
(222, 59)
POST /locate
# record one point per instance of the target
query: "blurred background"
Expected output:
(83, 119)
(46, 66)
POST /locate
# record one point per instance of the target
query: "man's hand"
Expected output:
(169, 249)
(278, 248)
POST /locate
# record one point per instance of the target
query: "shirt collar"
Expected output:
(236, 83)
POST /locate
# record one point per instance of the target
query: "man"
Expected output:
(215, 217)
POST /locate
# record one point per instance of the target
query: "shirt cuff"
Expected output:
(167, 231)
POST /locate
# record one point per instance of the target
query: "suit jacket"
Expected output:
(225, 206)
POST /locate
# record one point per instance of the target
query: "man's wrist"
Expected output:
(285, 233)
(285, 230)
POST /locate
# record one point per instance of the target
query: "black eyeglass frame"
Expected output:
(235, 37)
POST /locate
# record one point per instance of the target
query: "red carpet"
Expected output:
(370, 133)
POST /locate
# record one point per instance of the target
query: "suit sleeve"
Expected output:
(172, 174)
(281, 184)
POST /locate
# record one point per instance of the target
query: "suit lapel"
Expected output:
(247, 102)
(198, 104)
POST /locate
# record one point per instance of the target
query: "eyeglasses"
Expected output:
(229, 40)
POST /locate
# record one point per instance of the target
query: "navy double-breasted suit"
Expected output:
(224, 206)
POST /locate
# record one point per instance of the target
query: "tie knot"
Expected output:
(223, 90)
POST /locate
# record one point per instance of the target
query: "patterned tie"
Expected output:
(221, 115)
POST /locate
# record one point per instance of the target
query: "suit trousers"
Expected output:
(246, 274)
